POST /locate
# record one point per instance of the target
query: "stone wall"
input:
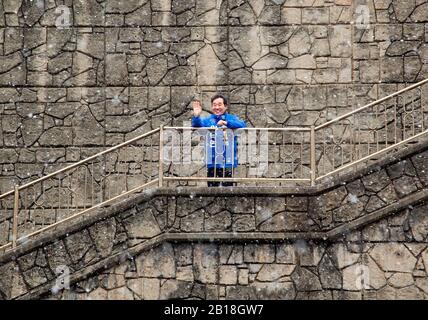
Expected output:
(292, 245)
(78, 76)
(288, 271)
(391, 254)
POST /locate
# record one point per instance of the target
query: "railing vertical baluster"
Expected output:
(233, 152)
(282, 147)
(413, 117)
(69, 199)
(15, 217)
(395, 120)
(292, 158)
(404, 117)
(152, 160)
(161, 156)
(206, 143)
(333, 150)
(352, 139)
(215, 152)
(126, 168)
(376, 131)
(422, 110)
(59, 200)
(323, 151)
(302, 137)
(92, 183)
(386, 125)
(224, 148)
(85, 187)
(359, 148)
(313, 162)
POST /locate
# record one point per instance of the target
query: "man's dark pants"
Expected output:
(220, 174)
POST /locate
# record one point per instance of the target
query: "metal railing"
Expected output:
(371, 130)
(97, 181)
(261, 155)
(180, 155)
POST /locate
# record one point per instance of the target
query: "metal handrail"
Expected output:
(81, 162)
(80, 209)
(306, 129)
(371, 104)
(74, 165)
(404, 119)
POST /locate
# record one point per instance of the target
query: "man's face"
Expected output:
(218, 107)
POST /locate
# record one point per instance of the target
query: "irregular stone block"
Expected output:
(418, 221)
(57, 137)
(340, 45)
(91, 44)
(330, 276)
(392, 69)
(116, 69)
(246, 42)
(87, 129)
(34, 37)
(274, 272)
(376, 181)
(244, 223)
(158, 262)
(259, 253)
(421, 164)
(405, 186)
(420, 13)
(240, 292)
(78, 244)
(57, 256)
(402, 9)
(140, 17)
(228, 275)
(113, 6)
(400, 280)
(300, 43)
(156, 69)
(210, 70)
(393, 257)
(142, 225)
(205, 261)
(305, 280)
(103, 233)
(272, 61)
(122, 293)
(10, 62)
(274, 291)
(91, 13)
(180, 76)
(32, 11)
(315, 15)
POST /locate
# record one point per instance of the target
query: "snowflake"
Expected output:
(352, 198)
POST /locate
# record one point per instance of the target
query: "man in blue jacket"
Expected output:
(219, 149)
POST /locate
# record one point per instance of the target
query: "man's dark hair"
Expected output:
(218, 95)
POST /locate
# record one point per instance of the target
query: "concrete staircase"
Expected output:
(338, 211)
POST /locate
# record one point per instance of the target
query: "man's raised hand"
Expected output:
(197, 109)
(222, 123)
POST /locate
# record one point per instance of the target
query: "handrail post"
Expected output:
(161, 156)
(313, 163)
(15, 217)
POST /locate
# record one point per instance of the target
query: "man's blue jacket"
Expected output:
(218, 149)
